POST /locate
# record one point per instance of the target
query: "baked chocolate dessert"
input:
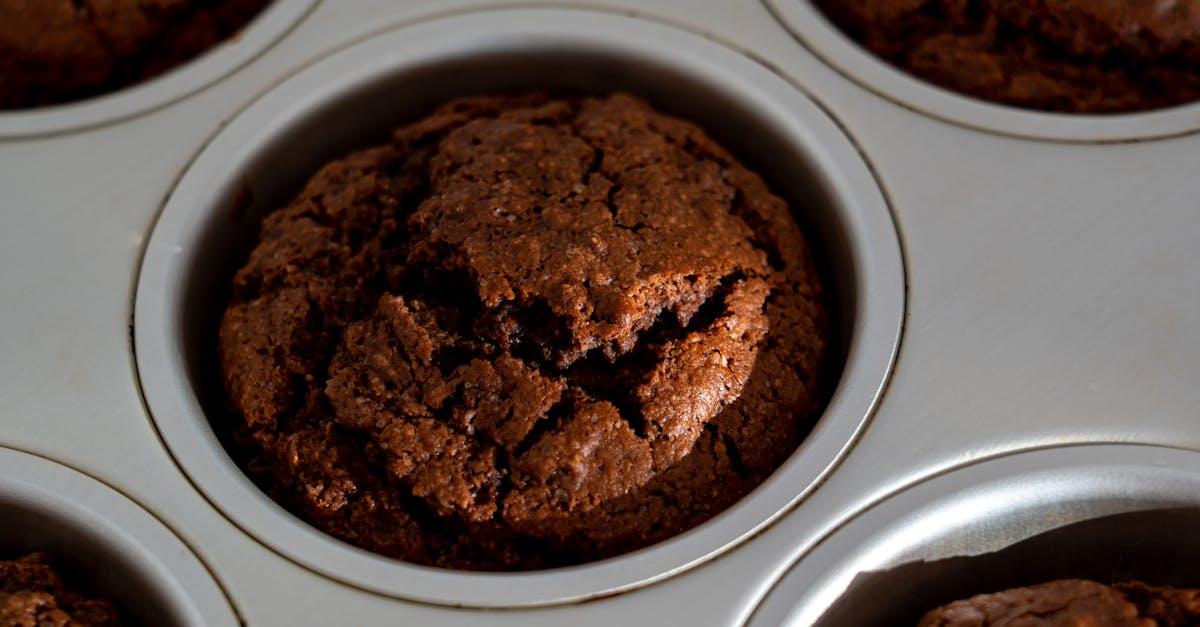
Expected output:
(32, 594)
(1078, 56)
(1074, 603)
(56, 51)
(524, 333)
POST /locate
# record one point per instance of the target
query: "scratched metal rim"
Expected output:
(1098, 511)
(216, 63)
(107, 541)
(321, 110)
(826, 40)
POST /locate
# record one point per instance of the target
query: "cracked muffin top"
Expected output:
(32, 594)
(470, 345)
(55, 51)
(1074, 602)
(1077, 56)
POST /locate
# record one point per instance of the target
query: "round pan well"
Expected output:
(1110, 513)
(354, 97)
(105, 544)
(222, 59)
(825, 40)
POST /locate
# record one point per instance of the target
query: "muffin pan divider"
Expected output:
(1050, 299)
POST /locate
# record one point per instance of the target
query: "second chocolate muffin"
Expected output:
(1077, 56)
(1073, 602)
(56, 51)
(526, 332)
(34, 594)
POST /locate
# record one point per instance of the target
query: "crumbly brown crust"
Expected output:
(1081, 56)
(32, 594)
(54, 51)
(526, 332)
(1074, 602)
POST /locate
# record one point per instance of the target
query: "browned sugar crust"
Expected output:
(32, 594)
(1074, 603)
(526, 332)
(1080, 56)
(55, 51)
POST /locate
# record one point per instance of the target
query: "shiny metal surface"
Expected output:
(1110, 513)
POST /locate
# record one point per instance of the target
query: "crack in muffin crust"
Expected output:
(526, 332)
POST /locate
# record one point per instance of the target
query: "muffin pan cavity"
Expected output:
(275, 20)
(1109, 513)
(355, 97)
(814, 30)
(105, 544)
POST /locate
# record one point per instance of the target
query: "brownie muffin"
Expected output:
(526, 332)
(32, 594)
(1078, 56)
(56, 51)
(1074, 603)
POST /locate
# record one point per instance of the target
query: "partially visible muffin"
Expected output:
(1073, 603)
(56, 51)
(33, 594)
(1077, 56)
(526, 332)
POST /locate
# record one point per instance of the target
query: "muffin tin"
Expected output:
(1006, 281)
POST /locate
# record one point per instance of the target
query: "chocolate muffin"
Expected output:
(56, 51)
(1077, 56)
(526, 332)
(33, 594)
(1074, 602)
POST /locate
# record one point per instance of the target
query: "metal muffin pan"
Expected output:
(1104, 512)
(105, 543)
(1048, 289)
